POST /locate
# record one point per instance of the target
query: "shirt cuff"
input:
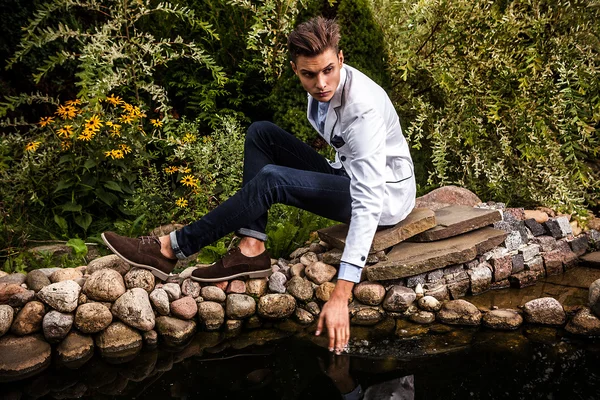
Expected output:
(349, 272)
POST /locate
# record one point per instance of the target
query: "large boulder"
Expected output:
(545, 311)
(21, 357)
(134, 309)
(370, 293)
(300, 288)
(240, 306)
(75, 347)
(276, 306)
(92, 317)
(211, 314)
(104, 285)
(319, 272)
(62, 296)
(459, 312)
(446, 196)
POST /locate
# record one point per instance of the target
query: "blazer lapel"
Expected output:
(310, 113)
(334, 104)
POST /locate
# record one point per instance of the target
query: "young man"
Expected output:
(370, 184)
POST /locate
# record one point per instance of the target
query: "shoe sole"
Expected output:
(251, 275)
(155, 271)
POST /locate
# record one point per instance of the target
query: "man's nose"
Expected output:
(321, 82)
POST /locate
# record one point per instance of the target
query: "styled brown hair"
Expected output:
(313, 37)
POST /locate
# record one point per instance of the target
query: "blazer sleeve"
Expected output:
(366, 137)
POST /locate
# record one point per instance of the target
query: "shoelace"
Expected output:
(149, 239)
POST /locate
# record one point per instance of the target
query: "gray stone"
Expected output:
(459, 289)
(591, 260)
(111, 261)
(408, 259)
(422, 317)
(459, 312)
(545, 311)
(546, 243)
(502, 319)
(316, 248)
(276, 306)
(435, 276)
(18, 300)
(518, 263)
(240, 306)
(277, 282)
(584, 323)
(319, 272)
(457, 219)
(456, 277)
(298, 270)
(529, 251)
(399, 298)
(534, 227)
(213, 293)
(139, 278)
(15, 278)
(29, 319)
(160, 301)
(190, 288)
(104, 285)
(579, 245)
(308, 258)
(75, 347)
(36, 280)
(313, 308)
(173, 291)
(370, 293)
(56, 325)
(92, 317)
(48, 271)
(300, 288)
(65, 274)
(564, 225)
(62, 296)
(175, 331)
(594, 297)
(536, 265)
(299, 252)
(303, 316)
(439, 291)
(134, 309)
(21, 357)
(413, 281)
(553, 228)
(513, 241)
(481, 278)
(429, 303)
(6, 318)
(118, 339)
(332, 257)
(211, 315)
(523, 279)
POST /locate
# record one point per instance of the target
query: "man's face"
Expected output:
(320, 75)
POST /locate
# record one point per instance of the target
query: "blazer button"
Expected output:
(343, 158)
(362, 258)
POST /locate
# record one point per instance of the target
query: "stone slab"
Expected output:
(591, 260)
(412, 258)
(455, 220)
(419, 220)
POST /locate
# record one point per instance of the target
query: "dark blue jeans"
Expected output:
(278, 168)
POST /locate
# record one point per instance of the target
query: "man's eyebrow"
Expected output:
(312, 72)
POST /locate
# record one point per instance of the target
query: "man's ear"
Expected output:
(341, 57)
(294, 68)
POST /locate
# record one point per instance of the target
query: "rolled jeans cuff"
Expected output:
(252, 233)
(175, 246)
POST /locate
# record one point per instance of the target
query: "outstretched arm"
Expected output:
(335, 318)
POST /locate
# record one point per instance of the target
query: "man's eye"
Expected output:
(328, 70)
(308, 74)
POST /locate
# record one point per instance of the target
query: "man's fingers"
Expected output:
(320, 325)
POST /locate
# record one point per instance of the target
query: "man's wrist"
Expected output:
(343, 289)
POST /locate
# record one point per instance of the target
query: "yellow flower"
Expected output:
(184, 170)
(189, 180)
(126, 118)
(126, 149)
(171, 170)
(114, 100)
(75, 102)
(86, 135)
(157, 123)
(65, 145)
(115, 153)
(32, 146)
(189, 138)
(65, 132)
(67, 112)
(116, 130)
(93, 123)
(45, 121)
(181, 202)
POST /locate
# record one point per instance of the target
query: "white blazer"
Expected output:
(363, 127)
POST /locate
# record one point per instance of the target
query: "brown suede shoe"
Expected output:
(235, 265)
(143, 252)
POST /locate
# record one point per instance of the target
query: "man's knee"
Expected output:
(271, 174)
(257, 129)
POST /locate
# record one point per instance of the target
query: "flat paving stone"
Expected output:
(419, 220)
(455, 220)
(591, 260)
(411, 258)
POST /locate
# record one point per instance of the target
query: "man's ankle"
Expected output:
(165, 247)
(251, 247)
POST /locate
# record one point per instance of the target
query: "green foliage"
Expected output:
(505, 95)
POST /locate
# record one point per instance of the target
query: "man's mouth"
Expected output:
(322, 94)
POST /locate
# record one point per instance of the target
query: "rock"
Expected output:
(399, 298)
(62, 296)
(459, 312)
(118, 340)
(92, 317)
(502, 319)
(21, 357)
(513, 241)
(6, 318)
(190, 288)
(481, 278)
(275, 306)
(175, 331)
(240, 306)
(36, 280)
(134, 309)
(7, 290)
(104, 285)
(18, 300)
(332, 257)
(150, 338)
(184, 308)
(415, 280)
(446, 196)
(233, 325)
(173, 291)
(303, 316)
(594, 297)
(256, 287)
(370, 293)
(529, 251)
(537, 215)
(501, 265)
(523, 279)
(299, 252)
(300, 288)
(160, 301)
(455, 220)
(518, 263)
(409, 259)
(29, 319)
(439, 291)
(298, 270)
(313, 308)
(422, 317)
(112, 262)
(15, 278)
(429, 303)
(579, 245)
(213, 293)
(319, 272)
(221, 285)
(211, 314)
(317, 248)
(75, 347)
(56, 325)
(65, 274)
(584, 323)
(545, 311)
(367, 317)
(308, 258)
(236, 286)
(277, 282)
(323, 292)
(459, 289)
(139, 278)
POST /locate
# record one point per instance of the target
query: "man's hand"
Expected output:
(334, 317)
